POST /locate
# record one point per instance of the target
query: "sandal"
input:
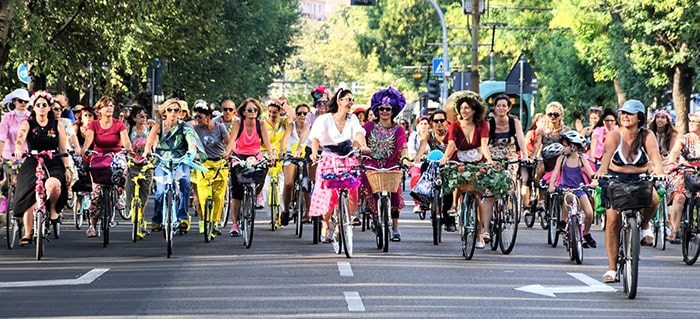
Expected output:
(647, 237)
(673, 238)
(610, 276)
(25, 241)
(356, 221)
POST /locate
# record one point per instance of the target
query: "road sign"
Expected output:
(592, 285)
(461, 80)
(23, 73)
(439, 67)
(529, 80)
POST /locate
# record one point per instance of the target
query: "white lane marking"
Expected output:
(85, 279)
(352, 298)
(592, 285)
(345, 269)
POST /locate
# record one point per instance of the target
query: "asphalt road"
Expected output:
(282, 276)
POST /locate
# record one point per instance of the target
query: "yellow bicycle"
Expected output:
(136, 206)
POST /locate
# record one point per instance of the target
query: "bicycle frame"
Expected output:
(136, 204)
(13, 225)
(40, 219)
(575, 223)
(207, 211)
(382, 218)
(297, 203)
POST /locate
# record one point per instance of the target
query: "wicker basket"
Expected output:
(384, 181)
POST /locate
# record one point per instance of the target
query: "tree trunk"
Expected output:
(621, 94)
(6, 13)
(682, 88)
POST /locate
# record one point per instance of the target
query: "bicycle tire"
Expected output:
(690, 240)
(135, 218)
(664, 222)
(39, 229)
(249, 222)
(106, 217)
(225, 207)
(469, 221)
(361, 204)
(494, 230)
(377, 225)
(576, 240)
(9, 220)
(386, 227)
(436, 216)
(532, 209)
(631, 246)
(300, 210)
(125, 213)
(168, 224)
(316, 221)
(274, 207)
(84, 210)
(345, 225)
(509, 224)
(554, 218)
(334, 230)
(56, 227)
(208, 223)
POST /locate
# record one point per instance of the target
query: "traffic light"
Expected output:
(363, 2)
(434, 90)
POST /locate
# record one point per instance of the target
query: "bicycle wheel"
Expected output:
(630, 261)
(225, 207)
(664, 222)
(135, 218)
(248, 220)
(39, 229)
(168, 222)
(469, 220)
(125, 213)
(509, 224)
(576, 241)
(554, 218)
(345, 226)
(9, 221)
(85, 202)
(274, 207)
(206, 216)
(377, 224)
(107, 211)
(494, 229)
(691, 240)
(436, 216)
(316, 221)
(386, 227)
(334, 230)
(532, 209)
(300, 210)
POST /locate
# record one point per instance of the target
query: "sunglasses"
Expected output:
(439, 121)
(172, 110)
(88, 114)
(553, 114)
(41, 105)
(386, 109)
(252, 110)
(228, 109)
(302, 113)
(349, 99)
(142, 116)
(21, 101)
(625, 113)
(322, 102)
(609, 121)
(57, 109)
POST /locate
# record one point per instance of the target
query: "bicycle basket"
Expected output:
(627, 196)
(692, 183)
(384, 181)
(251, 176)
(336, 180)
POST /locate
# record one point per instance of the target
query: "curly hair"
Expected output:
(475, 104)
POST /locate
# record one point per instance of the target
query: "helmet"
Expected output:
(552, 150)
(575, 138)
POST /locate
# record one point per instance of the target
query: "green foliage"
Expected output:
(482, 177)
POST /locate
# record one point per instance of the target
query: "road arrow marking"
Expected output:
(592, 285)
(352, 298)
(345, 269)
(85, 279)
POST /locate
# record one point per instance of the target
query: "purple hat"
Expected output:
(388, 96)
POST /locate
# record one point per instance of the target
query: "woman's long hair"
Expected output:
(333, 102)
(667, 132)
(601, 120)
(641, 133)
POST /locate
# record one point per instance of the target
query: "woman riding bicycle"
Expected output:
(687, 146)
(246, 140)
(109, 136)
(295, 140)
(138, 135)
(467, 142)
(175, 137)
(42, 132)
(628, 153)
(9, 126)
(412, 147)
(335, 133)
(387, 146)
(215, 138)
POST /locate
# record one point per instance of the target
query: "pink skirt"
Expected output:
(324, 199)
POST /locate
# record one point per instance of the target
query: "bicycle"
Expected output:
(629, 247)
(12, 224)
(297, 205)
(575, 223)
(108, 196)
(273, 199)
(207, 214)
(659, 220)
(533, 212)
(250, 176)
(171, 197)
(467, 215)
(504, 223)
(340, 226)
(553, 215)
(136, 213)
(690, 227)
(383, 182)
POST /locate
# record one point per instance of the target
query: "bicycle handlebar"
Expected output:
(186, 159)
(643, 176)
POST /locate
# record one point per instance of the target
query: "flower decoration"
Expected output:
(346, 179)
(318, 92)
(483, 177)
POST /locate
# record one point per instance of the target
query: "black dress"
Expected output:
(39, 139)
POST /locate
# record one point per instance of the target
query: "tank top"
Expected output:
(247, 144)
(294, 137)
(43, 138)
(571, 176)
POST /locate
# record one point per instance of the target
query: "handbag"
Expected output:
(108, 169)
(423, 191)
(619, 195)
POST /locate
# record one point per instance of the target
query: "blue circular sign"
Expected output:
(23, 73)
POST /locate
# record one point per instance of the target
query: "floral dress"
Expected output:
(691, 154)
(386, 145)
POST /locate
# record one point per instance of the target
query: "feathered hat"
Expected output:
(388, 96)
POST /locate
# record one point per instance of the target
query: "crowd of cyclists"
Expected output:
(616, 142)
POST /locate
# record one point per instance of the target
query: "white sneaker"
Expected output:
(480, 244)
(416, 209)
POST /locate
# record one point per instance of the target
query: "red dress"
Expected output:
(456, 134)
